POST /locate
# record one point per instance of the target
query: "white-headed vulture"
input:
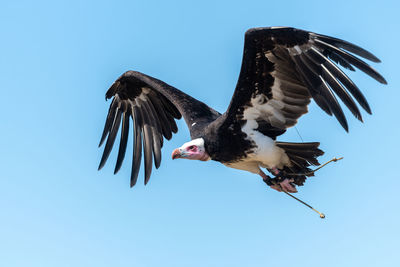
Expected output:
(282, 70)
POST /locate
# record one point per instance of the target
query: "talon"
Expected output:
(288, 186)
(285, 185)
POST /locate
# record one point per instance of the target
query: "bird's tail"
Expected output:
(302, 156)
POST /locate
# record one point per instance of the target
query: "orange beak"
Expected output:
(176, 154)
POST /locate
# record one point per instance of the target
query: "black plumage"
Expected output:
(282, 70)
(153, 106)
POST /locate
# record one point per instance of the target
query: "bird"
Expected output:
(283, 69)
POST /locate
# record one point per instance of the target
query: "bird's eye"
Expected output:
(191, 147)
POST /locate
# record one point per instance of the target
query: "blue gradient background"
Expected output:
(59, 57)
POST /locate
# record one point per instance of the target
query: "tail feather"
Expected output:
(302, 156)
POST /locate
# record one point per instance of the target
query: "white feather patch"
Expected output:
(199, 142)
(266, 153)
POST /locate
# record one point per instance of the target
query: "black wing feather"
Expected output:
(155, 130)
(282, 65)
(338, 60)
(147, 148)
(110, 119)
(319, 86)
(153, 106)
(137, 145)
(154, 119)
(361, 65)
(333, 84)
(348, 46)
(341, 76)
(124, 140)
(341, 92)
(111, 139)
(160, 113)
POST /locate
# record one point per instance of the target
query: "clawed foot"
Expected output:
(286, 185)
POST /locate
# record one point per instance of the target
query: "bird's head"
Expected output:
(192, 150)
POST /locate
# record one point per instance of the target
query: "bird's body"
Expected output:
(283, 69)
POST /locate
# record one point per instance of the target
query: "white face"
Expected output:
(192, 150)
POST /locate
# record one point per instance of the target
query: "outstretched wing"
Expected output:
(283, 68)
(153, 106)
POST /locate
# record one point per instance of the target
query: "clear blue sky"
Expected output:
(57, 61)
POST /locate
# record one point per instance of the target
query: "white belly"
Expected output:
(245, 165)
(265, 154)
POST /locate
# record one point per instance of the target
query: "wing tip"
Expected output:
(101, 165)
(134, 176)
(101, 142)
(345, 126)
(383, 81)
(376, 60)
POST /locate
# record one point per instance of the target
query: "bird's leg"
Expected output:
(278, 183)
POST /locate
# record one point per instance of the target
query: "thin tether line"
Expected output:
(299, 134)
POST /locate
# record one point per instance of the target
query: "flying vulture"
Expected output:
(282, 70)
